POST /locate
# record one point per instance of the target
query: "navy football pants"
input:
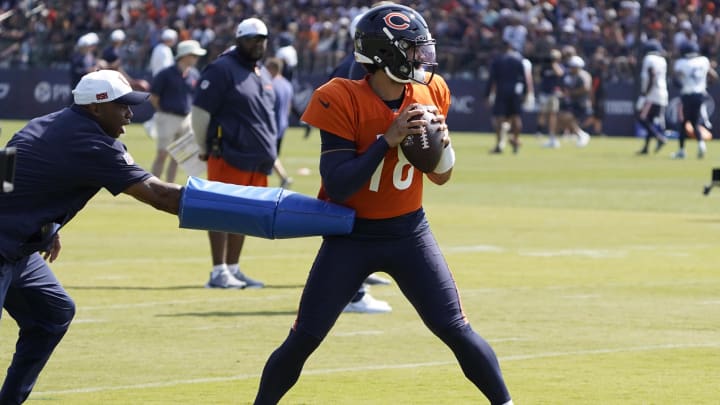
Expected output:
(43, 310)
(417, 265)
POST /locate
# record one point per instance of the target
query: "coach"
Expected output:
(233, 118)
(63, 160)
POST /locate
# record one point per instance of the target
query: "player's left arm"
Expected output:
(343, 171)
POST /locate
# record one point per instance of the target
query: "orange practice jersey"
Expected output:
(350, 109)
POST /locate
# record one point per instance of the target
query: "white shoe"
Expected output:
(223, 279)
(249, 282)
(678, 155)
(552, 143)
(374, 279)
(368, 305)
(701, 149)
(583, 139)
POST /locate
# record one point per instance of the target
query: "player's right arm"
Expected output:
(157, 193)
(344, 171)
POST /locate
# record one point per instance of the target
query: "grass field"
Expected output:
(592, 272)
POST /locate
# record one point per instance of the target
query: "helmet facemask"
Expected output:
(418, 57)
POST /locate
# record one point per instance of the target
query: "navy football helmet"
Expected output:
(689, 48)
(396, 38)
(653, 45)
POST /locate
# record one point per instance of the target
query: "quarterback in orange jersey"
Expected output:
(353, 111)
(361, 124)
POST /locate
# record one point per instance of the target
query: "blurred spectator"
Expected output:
(287, 53)
(112, 53)
(162, 54)
(685, 34)
(84, 59)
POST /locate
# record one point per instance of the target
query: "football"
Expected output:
(424, 150)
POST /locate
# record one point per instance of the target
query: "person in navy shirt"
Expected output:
(233, 118)
(171, 95)
(63, 160)
(507, 87)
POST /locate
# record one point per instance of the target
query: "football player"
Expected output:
(362, 122)
(576, 105)
(691, 73)
(653, 94)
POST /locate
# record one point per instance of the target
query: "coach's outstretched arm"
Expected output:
(157, 193)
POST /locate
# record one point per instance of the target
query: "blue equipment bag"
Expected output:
(266, 212)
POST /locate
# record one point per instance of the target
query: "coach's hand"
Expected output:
(52, 253)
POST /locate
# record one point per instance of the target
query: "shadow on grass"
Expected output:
(228, 314)
(169, 287)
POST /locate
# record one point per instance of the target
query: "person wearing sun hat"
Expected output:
(63, 160)
(171, 95)
(233, 118)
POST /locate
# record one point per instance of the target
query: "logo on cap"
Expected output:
(101, 96)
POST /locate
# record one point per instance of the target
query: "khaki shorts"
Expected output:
(170, 127)
(548, 103)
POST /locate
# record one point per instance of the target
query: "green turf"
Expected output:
(592, 272)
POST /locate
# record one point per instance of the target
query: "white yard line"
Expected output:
(519, 357)
(447, 249)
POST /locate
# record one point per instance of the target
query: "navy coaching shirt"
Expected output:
(63, 159)
(240, 99)
(174, 90)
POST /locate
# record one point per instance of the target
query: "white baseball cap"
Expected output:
(117, 36)
(88, 39)
(104, 86)
(576, 62)
(251, 27)
(169, 34)
(189, 47)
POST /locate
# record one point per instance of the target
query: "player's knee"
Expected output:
(454, 333)
(61, 316)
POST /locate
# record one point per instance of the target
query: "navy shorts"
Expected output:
(507, 105)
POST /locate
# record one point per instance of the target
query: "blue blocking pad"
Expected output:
(266, 212)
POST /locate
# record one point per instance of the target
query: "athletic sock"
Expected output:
(233, 268)
(219, 268)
